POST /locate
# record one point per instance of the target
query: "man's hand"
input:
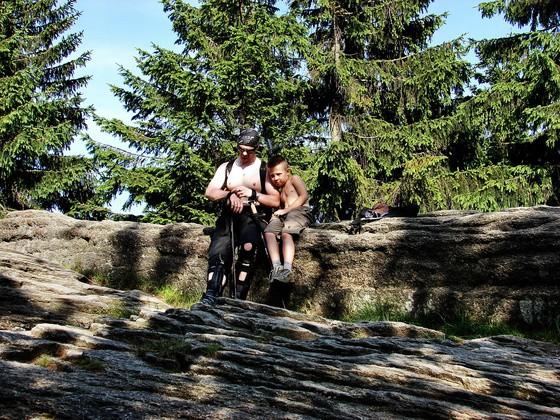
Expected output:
(235, 203)
(281, 212)
(243, 192)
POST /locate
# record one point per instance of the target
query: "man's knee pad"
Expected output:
(246, 260)
(245, 263)
(215, 279)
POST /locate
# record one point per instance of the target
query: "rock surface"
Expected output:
(501, 266)
(69, 349)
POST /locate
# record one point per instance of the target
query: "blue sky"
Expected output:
(113, 30)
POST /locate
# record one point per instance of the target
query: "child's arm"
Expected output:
(302, 198)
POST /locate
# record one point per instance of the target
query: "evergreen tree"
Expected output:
(501, 143)
(40, 106)
(516, 110)
(239, 67)
(381, 95)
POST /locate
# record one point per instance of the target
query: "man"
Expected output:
(237, 184)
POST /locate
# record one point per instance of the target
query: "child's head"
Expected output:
(279, 171)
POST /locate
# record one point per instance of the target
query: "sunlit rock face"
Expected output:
(71, 349)
(500, 266)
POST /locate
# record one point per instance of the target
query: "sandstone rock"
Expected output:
(63, 356)
(500, 266)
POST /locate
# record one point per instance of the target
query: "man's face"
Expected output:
(246, 153)
(279, 175)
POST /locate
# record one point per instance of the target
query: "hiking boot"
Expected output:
(208, 299)
(283, 275)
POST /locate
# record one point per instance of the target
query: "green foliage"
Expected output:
(212, 349)
(169, 293)
(380, 89)
(239, 67)
(381, 311)
(456, 327)
(351, 93)
(125, 280)
(177, 298)
(544, 14)
(170, 353)
(46, 361)
(340, 183)
(40, 106)
(117, 309)
(517, 107)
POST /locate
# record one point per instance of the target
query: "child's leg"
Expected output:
(296, 221)
(273, 249)
(288, 250)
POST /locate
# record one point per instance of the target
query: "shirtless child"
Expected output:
(293, 216)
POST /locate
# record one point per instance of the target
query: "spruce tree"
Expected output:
(40, 106)
(238, 67)
(381, 95)
(501, 142)
(517, 110)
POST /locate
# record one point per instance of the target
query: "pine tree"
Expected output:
(40, 106)
(380, 93)
(239, 66)
(517, 110)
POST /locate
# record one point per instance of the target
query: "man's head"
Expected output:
(279, 171)
(247, 144)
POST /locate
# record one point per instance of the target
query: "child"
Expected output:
(293, 216)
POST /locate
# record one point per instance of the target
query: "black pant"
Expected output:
(220, 254)
(245, 230)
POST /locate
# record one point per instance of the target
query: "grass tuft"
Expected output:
(168, 293)
(375, 312)
(165, 348)
(458, 327)
(89, 364)
(212, 349)
(46, 361)
(117, 310)
(175, 297)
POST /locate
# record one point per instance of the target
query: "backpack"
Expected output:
(378, 212)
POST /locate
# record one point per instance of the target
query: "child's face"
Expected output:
(279, 175)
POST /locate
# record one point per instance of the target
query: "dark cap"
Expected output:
(249, 137)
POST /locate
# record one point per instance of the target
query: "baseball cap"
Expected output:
(249, 137)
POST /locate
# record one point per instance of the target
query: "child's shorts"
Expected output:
(294, 222)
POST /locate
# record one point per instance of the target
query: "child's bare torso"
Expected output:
(289, 194)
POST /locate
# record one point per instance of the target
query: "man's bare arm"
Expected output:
(214, 190)
(271, 197)
(215, 194)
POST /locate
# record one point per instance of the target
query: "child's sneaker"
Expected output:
(274, 273)
(284, 275)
